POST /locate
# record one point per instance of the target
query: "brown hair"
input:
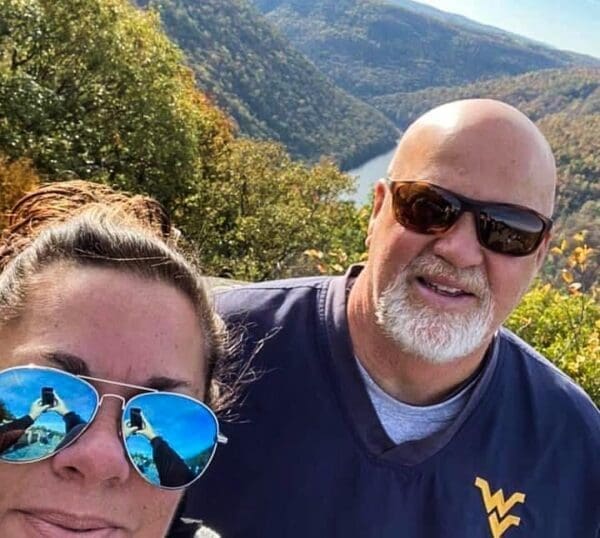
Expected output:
(86, 224)
(56, 202)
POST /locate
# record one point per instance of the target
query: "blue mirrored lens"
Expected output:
(170, 438)
(41, 411)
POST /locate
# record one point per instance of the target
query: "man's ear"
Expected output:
(379, 193)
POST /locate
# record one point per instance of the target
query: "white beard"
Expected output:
(436, 336)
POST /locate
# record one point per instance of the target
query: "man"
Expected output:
(390, 402)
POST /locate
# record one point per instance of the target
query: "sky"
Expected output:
(565, 24)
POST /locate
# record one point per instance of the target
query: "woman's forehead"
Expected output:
(123, 326)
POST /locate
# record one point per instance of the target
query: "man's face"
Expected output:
(442, 297)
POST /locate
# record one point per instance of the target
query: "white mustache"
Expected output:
(471, 279)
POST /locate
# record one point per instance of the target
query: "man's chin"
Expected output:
(435, 340)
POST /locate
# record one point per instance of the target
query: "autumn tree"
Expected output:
(267, 210)
(93, 89)
(562, 321)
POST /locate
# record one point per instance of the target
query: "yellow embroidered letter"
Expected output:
(497, 508)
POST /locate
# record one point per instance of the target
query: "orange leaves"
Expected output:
(16, 178)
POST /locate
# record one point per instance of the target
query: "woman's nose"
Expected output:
(97, 456)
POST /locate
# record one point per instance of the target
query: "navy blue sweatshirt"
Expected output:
(308, 457)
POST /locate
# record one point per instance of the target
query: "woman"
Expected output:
(99, 307)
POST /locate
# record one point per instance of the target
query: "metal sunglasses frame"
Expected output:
(85, 379)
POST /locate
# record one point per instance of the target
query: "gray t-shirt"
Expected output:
(403, 422)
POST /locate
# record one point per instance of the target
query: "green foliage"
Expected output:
(565, 327)
(372, 48)
(266, 211)
(271, 90)
(93, 89)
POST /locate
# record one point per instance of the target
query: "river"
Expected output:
(368, 173)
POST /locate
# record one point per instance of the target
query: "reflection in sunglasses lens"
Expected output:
(170, 438)
(41, 411)
(510, 231)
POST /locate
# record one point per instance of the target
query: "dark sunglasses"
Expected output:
(508, 229)
(169, 438)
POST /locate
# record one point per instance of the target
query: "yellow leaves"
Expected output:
(563, 325)
(581, 254)
(567, 276)
(573, 287)
(313, 253)
(316, 255)
(575, 263)
(326, 263)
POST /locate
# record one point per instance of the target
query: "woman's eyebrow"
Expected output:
(166, 383)
(66, 361)
(77, 366)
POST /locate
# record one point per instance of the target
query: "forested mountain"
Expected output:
(537, 94)
(271, 90)
(372, 48)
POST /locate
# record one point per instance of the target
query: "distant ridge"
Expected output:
(271, 90)
(573, 91)
(461, 20)
(374, 48)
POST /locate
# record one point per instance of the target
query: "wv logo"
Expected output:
(498, 508)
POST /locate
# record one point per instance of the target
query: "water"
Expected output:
(368, 173)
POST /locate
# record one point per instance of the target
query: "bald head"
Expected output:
(491, 150)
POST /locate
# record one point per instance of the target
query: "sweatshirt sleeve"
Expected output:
(19, 424)
(172, 470)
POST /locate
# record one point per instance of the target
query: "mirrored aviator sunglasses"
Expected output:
(508, 229)
(170, 439)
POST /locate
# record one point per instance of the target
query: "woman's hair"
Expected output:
(77, 223)
(57, 202)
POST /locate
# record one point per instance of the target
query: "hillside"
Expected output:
(537, 94)
(271, 90)
(372, 48)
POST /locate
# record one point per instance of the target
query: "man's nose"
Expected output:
(459, 245)
(96, 457)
